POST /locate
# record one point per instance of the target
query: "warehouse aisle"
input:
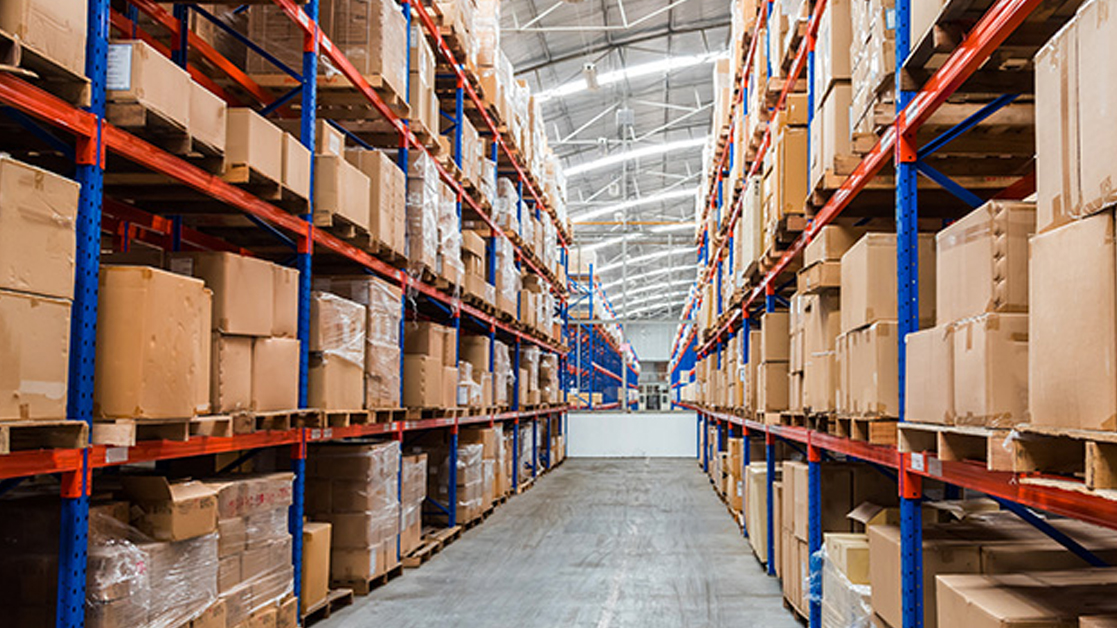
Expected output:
(599, 542)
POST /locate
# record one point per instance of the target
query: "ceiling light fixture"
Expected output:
(638, 153)
(648, 275)
(646, 258)
(636, 202)
(664, 66)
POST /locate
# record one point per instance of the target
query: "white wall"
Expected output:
(633, 435)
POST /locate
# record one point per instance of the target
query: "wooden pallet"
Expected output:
(259, 184)
(386, 415)
(28, 64)
(1080, 454)
(32, 435)
(876, 430)
(430, 546)
(336, 418)
(366, 586)
(338, 99)
(335, 600)
(281, 420)
(129, 432)
(344, 229)
(171, 135)
(957, 442)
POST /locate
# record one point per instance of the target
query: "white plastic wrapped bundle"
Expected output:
(449, 237)
(530, 362)
(502, 373)
(382, 351)
(525, 452)
(550, 244)
(505, 211)
(844, 604)
(507, 276)
(469, 389)
(337, 327)
(527, 225)
(423, 197)
(488, 179)
(132, 580)
(486, 32)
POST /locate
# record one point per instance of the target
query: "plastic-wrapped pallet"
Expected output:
(135, 581)
(507, 276)
(530, 363)
(424, 190)
(469, 386)
(337, 346)
(470, 477)
(355, 487)
(505, 205)
(486, 32)
(488, 180)
(450, 263)
(413, 491)
(502, 373)
(382, 347)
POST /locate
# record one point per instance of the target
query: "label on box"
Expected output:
(118, 73)
(182, 266)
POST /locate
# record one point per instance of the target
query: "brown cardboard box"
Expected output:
(207, 117)
(140, 75)
(275, 374)
(872, 363)
(212, 617)
(373, 36)
(833, 50)
(422, 381)
(356, 564)
(252, 142)
(1098, 621)
(149, 342)
(316, 562)
(387, 196)
(830, 132)
(1097, 104)
(296, 166)
(231, 373)
(54, 28)
(1058, 186)
(285, 293)
(337, 326)
(35, 350)
(341, 193)
(1068, 384)
(1034, 600)
(243, 289)
(831, 243)
(869, 281)
(263, 618)
(991, 370)
(328, 140)
(930, 395)
(449, 386)
(37, 213)
(982, 261)
(287, 615)
(774, 339)
(231, 534)
(334, 383)
(425, 338)
(171, 512)
(772, 387)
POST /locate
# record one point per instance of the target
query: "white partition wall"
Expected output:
(633, 435)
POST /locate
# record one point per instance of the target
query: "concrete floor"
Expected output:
(599, 542)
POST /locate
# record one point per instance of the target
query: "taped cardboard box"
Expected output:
(869, 281)
(990, 370)
(982, 261)
(207, 118)
(140, 80)
(54, 29)
(774, 340)
(341, 194)
(334, 383)
(868, 357)
(296, 166)
(387, 220)
(243, 289)
(35, 336)
(231, 373)
(1036, 600)
(150, 339)
(37, 213)
(275, 374)
(285, 293)
(168, 511)
(1069, 382)
(422, 381)
(929, 397)
(252, 143)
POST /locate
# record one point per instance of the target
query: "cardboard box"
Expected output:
(287, 614)
(150, 335)
(422, 381)
(207, 117)
(1058, 185)
(251, 141)
(171, 512)
(831, 243)
(1097, 104)
(387, 197)
(285, 293)
(231, 373)
(425, 338)
(275, 374)
(316, 562)
(982, 261)
(37, 213)
(243, 289)
(991, 370)
(830, 133)
(1036, 600)
(774, 339)
(35, 351)
(328, 140)
(296, 166)
(872, 366)
(833, 46)
(334, 383)
(341, 193)
(929, 393)
(54, 28)
(869, 281)
(141, 79)
(1069, 384)
(212, 617)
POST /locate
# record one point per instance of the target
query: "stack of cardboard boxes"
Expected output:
(336, 380)
(424, 195)
(772, 370)
(387, 219)
(470, 482)
(355, 487)
(413, 491)
(786, 170)
(430, 372)
(829, 127)
(37, 214)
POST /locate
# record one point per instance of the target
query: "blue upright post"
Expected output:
(547, 440)
(814, 532)
(907, 286)
(534, 448)
(593, 343)
(304, 258)
(452, 507)
(179, 48)
(770, 459)
(516, 453)
(746, 460)
(73, 539)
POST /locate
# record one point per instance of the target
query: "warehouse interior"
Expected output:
(351, 313)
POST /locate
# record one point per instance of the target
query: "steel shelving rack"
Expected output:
(897, 144)
(93, 138)
(598, 363)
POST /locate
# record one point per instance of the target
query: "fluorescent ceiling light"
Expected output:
(636, 202)
(679, 226)
(621, 294)
(646, 151)
(664, 66)
(653, 297)
(647, 258)
(611, 241)
(648, 275)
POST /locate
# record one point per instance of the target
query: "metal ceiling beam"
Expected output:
(598, 29)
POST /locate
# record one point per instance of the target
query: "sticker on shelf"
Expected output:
(116, 455)
(328, 433)
(315, 434)
(934, 467)
(917, 462)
